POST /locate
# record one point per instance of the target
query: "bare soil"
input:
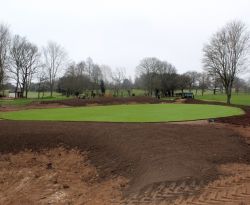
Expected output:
(54, 176)
(74, 102)
(122, 163)
(35, 105)
(108, 101)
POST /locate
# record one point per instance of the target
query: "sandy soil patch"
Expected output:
(55, 176)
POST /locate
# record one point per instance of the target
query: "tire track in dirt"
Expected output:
(232, 187)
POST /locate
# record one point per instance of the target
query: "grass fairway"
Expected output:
(240, 99)
(24, 101)
(126, 113)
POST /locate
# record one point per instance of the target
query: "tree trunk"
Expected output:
(16, 89)
(229, 94)
(2, 88)
(26, 91)
(51, 90)
(229, 99)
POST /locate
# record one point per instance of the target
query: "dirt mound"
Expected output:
(106, 101)
(195, 101)
(34, 105)
(152, 157)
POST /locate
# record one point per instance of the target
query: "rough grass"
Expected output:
(32, 97)
(127, 113)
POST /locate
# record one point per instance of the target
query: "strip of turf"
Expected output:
(127, 113)
(240, 99)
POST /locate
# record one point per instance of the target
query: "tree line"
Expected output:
(225, 56)
(21, 61)
(31, 68)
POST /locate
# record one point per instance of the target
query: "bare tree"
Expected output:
(74, 82)
(24, 59)
(54, 60)
(80, 68)
(148, 68)
(4, 45)
(166, 67)
(167, 79)
(16, 60)
(183, 82)
(89, 66)
(42, 78)
(215, 82)
(118, 77)
(157, 76)
(226, 54)
(203, 80)
(127, 84)
(96, 76)
(106, 73)
(239, 85)
(32, 62)
(194, 76)
(71, 69)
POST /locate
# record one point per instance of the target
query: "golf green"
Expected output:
(126, 113)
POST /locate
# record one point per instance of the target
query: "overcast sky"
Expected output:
(119, 33)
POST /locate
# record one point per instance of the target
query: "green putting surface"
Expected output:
(126, 113)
